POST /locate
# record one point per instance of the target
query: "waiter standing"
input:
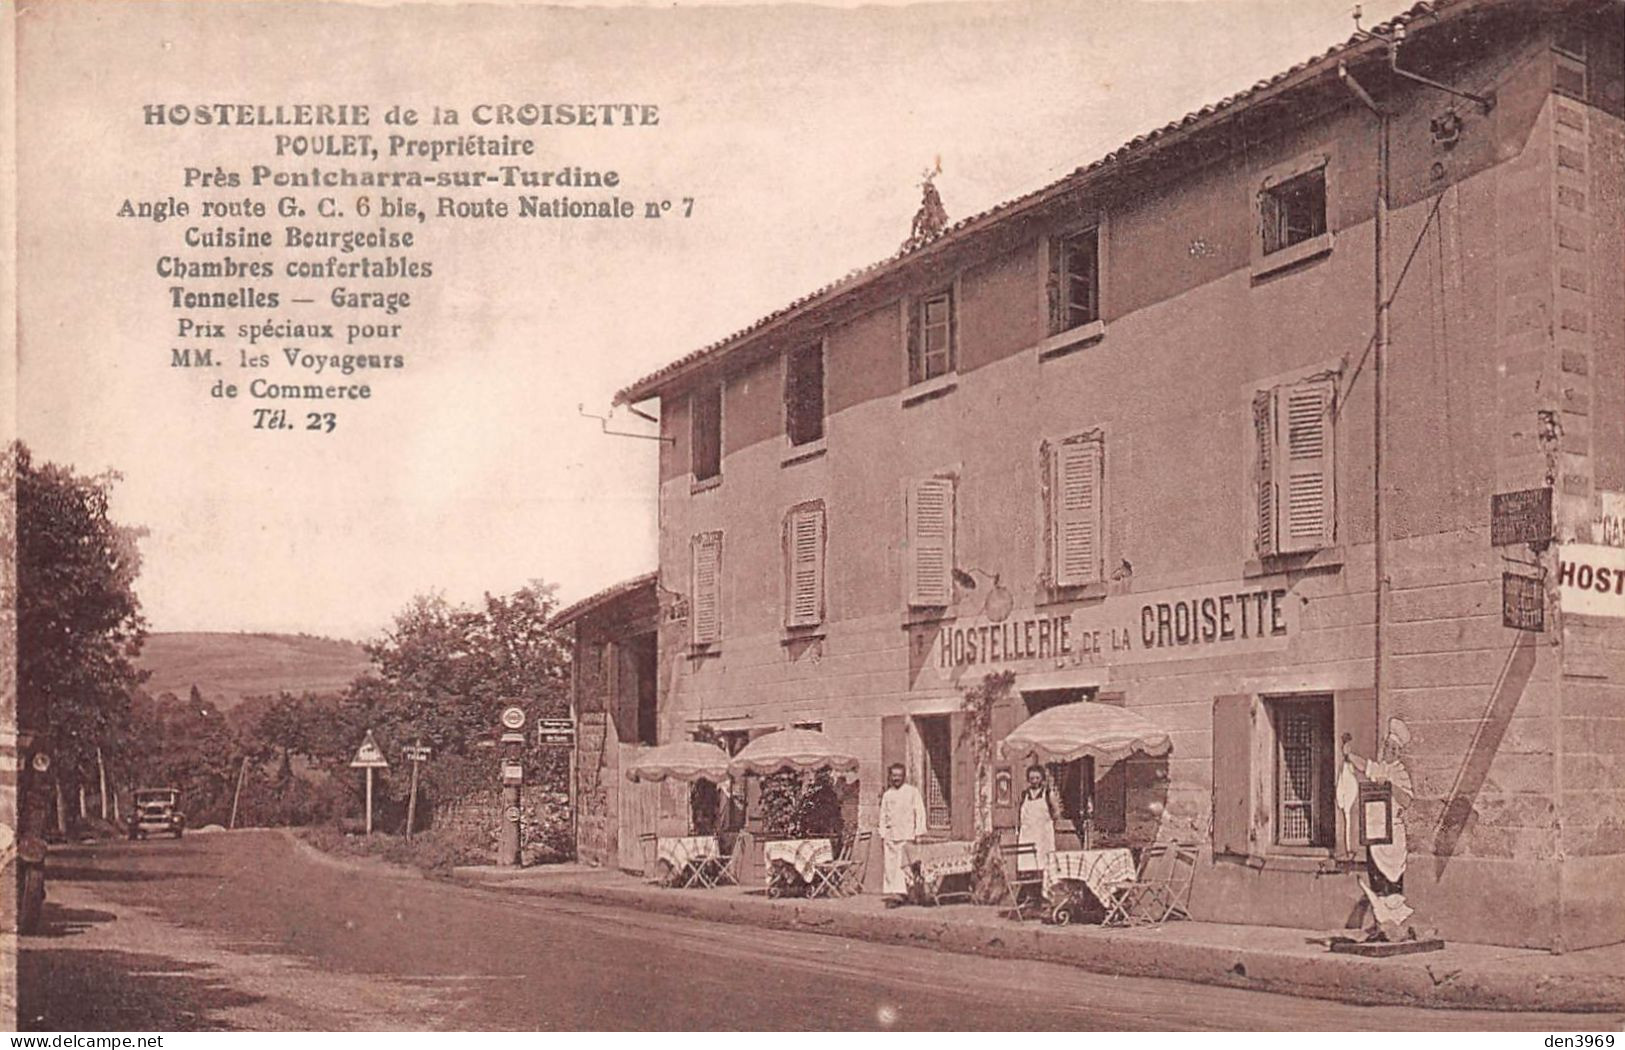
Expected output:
(902, 820)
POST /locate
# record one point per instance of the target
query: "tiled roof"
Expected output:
(1358, 44)
(571, 613)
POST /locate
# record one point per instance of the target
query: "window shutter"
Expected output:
(707, 614)
(1055, 287)
(1076, 495)
(1354, 711)
(804, 548)
(931, 542)
(916, 343)
(1232, 773)
(1304, 422)
(1264, 471)
(962, 799)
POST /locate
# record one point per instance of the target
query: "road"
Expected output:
(252, 931)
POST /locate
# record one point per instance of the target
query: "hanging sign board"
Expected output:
(416, 753)
(1523, 602)
(1521, 517)
(512, 773)
(557, 732)
(369, 755)
(1591, 579)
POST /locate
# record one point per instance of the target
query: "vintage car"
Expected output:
(156, 813)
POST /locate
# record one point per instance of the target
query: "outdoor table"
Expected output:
(801, 856)
(686, 855)
(1098, 870)
(931, 864)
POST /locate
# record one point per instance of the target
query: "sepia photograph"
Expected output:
(950, 516)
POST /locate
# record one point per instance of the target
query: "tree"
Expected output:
(79, 623)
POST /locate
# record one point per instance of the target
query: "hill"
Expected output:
(227, 667)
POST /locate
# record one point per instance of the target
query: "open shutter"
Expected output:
(931, 542)
(916, 343)
(707, 617)
(1054, 286)
(1232, 773)
(1007, 715)
(1076, 495)
(1354, 711)
(804, 550)
(962, 792)
(1304, 422)
(1264, 471)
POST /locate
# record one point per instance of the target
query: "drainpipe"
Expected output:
(1379, 375)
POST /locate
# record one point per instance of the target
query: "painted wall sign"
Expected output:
(1015, 640)
(1523, 602)
(1185, 623)
(1608, 528)
(1518, 517)
(1591, 579)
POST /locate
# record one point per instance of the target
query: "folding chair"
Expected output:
(843, 876)
(722, 869)
(654, 869)
(1161, 888)
(1024, 879)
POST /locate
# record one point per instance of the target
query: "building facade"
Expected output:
(1122, 439)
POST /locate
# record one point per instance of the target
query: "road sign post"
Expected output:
(369, 757)
(513, 776)
(417, 754)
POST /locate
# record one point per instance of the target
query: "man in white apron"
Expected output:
(902, 820)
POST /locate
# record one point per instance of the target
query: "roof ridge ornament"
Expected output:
(932, 218)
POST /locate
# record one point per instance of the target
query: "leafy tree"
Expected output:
(79, 623)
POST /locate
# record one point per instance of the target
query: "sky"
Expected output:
(800, 131)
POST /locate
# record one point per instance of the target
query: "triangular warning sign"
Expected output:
(369, 755)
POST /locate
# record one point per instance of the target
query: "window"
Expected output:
(1305, 770)
(1076, 524)
(931, 336)
(706, 620)
(1294, 469)
(804, 394)
(705, 407)
(929, 547)
(1293, 211)
(936, 744)
(1074, 282)
(816, 727)
(804, 566)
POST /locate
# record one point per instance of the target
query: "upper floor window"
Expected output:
(705, 410)
(804, 394)
(804, 566)
(1293, 211)
(1074, 280)
(1076, 522)
(930, 546)
(931, 336)
(1295, 468)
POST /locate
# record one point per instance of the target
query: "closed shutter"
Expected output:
(707, 618)
(1354, 712)
(962, 801)
(804, 551)
(931, 542)
(1232, 773)
(1304, 419)
(1076, 496)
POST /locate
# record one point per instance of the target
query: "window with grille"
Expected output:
(1293, 211)
(1294, 469)
(804, 394)
(937, 744)
(931, 336)
(1074, 288)
(1305, 771)
(705, 408)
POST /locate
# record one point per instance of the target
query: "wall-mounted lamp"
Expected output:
(999, 602)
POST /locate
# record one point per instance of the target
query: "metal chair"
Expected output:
(843, 876)
(1024, 879)
(1161, 888)
(655, 870)
(723, 868)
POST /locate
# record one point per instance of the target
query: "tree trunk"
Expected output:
(101, 778)
(61, 805)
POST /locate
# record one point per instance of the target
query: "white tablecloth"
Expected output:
(1099, 869)
(685, 851)
(801, 854)
(938, 860)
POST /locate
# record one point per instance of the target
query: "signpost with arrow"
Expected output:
(370, 757)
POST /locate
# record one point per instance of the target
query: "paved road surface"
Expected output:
(250, 930)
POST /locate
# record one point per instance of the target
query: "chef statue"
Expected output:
(1384, 886)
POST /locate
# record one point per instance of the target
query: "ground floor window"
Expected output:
(1305, 770)
(936, 744)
